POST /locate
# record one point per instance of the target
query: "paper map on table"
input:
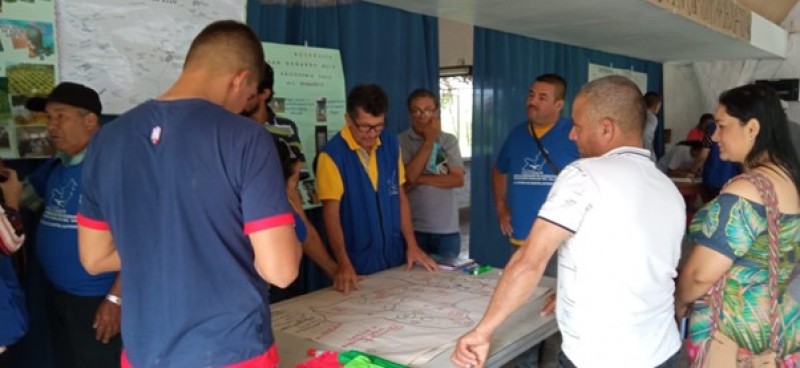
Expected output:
(406, 317)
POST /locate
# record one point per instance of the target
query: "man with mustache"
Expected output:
(526, 168)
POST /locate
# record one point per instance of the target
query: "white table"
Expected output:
(521, 331)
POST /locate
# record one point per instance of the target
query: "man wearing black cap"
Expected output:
(84, 310)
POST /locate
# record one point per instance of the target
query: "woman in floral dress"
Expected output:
(732, 236)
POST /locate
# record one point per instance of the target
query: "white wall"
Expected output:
(683, 101)
(455, 49)
(683, 97)
(789, 68)
(455, 43)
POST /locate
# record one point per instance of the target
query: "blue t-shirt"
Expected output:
(13, 317)
(180, 184)
(300, 228)
(529, 176)
(58, 181)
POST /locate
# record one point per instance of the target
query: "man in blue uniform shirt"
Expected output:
(83, 309)
(186, 198)
(531, 158)
(526, 168)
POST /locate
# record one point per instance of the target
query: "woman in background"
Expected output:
(13, 316)
(732, 236)
(698, 132)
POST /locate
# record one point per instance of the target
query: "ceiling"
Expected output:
(634, 28)
(774, 10)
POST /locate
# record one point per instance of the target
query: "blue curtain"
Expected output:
(395, 49)
(504, 67)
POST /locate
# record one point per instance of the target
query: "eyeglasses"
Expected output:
(366, 128)
(421, 112)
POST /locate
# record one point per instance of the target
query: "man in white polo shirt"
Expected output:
(616, 263)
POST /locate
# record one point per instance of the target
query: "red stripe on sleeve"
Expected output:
(268, 223)
(92, 224)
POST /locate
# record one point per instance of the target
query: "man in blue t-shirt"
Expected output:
(531, 158)
(527, 166)
(187, 198)
(83, 309)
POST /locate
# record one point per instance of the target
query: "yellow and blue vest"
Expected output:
(370, 217)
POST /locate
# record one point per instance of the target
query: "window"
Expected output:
(455, 90)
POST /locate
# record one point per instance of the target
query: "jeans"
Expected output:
(671, 362)
(443, 245)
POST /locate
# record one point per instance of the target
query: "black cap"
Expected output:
(69, 93)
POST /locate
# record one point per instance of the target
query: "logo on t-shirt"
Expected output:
(155, 135)
(55, 212)
(533, 165)
(532, 172)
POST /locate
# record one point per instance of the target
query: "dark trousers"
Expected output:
(672, 362)
(5, 360)
(74, 340)
(443, 245)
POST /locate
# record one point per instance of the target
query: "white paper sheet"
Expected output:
(407, 317)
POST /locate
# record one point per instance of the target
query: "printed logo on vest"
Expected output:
(392, 183)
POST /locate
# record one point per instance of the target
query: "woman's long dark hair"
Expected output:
(773, 141)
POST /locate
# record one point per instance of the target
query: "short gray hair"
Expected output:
(617, 98)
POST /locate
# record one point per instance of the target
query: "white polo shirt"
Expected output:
(615, 274)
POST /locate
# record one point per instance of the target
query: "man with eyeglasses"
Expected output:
(433, 170)
(359, 180)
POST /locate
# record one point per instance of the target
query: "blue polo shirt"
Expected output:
(180, 184)
(529, 176)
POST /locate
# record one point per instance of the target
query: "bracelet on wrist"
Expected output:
(114, 299)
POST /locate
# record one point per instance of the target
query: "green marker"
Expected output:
(481, 270)
(349, 355)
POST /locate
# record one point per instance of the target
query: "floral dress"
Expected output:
(737, 228)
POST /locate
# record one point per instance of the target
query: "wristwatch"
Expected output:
(114, 299)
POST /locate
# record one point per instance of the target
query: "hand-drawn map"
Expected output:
(407, 317)
(132, 50)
